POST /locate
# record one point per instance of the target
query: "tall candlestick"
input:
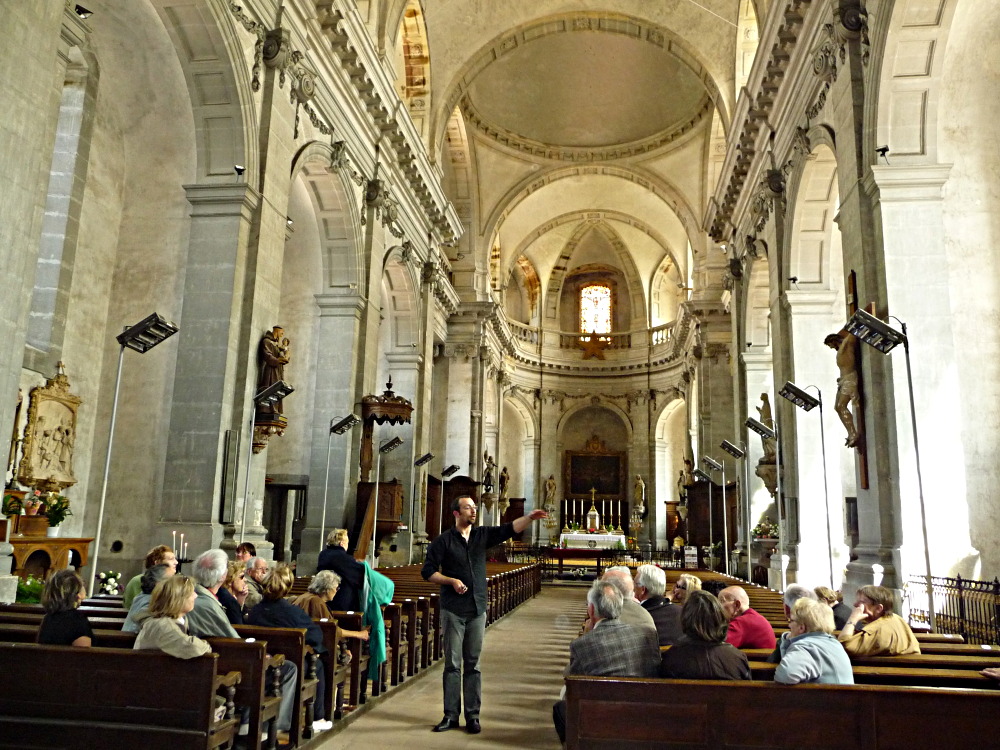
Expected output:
(173, 544)
(181, 548)
(184, 556)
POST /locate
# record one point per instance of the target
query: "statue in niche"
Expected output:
(550, 491)
(274, 355)
(488, 471)
(504, 481)
(845, 344)
(639, 496)
(770, 445)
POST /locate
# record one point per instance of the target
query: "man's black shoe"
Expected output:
(472, 726)
(447, 724)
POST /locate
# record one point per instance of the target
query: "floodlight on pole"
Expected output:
(884, 338)
(712, 464)
(770, 432)
(423, 459)
(739, 453)
(140, 338)
(268, 396)
(338, 426)
(386, 447)
(804, 401)
(444, 474)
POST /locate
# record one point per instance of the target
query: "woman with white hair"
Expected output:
(351, 572)
(809, 652)
(315, 602)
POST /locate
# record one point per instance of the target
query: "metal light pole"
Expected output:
(387, 447)
(338, 426)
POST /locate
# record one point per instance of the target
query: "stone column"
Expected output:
(759, 378)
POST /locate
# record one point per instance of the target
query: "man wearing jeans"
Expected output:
(457, 561)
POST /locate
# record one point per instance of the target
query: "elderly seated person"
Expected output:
(274, 611)
(163, 625)
(747, 627)
(315, 602)
(650, 586)
(703, 653)
(873, 629)
(632, 612)
(836, 601)
(611, 648)
(64, 624)
(161, 555)
(233, 593)
(683, 586)
(809, 652)
(141, 602)
(257, 568)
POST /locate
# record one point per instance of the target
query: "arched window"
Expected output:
(595, 308)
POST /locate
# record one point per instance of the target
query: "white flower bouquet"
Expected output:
(107, 583)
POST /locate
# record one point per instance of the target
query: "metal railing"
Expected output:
(969, 608)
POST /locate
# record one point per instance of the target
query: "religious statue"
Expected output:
(550, 491)
(504, 481)
(770, 445)
(845, 345)
(274, 354)
(639, 496)
(490, 467)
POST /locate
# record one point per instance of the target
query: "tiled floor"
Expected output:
(522, 664)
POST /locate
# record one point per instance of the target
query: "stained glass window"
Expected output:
(595, 309)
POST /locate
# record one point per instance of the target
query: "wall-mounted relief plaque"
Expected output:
(50, 436)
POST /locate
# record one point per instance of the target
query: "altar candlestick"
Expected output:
(185, 553)
(173, 544)
(181, 548)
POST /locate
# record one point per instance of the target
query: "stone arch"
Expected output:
(336, 213)
(522, 292)
(652, 33)
(400, 302)
(411, 61)
(756, 317)
(597, 404)
(814, 253)
(222, 86)
(666, 290)
(626, 263)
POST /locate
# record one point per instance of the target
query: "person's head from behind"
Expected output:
(703, 618)
(684, 586)
(161, 555)
(734, 601)
(828, 595)
(604, 601)
(650, 581)
(810, 616)
(245, 551)
(792, 593)
(210, 568)
(337, 538)
(63, 590)
(154, 575)
(621, 577)
(173, 597)
(325, 585)
(277, 583)
(877, 601)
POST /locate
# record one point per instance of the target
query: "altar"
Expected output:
(592, 541)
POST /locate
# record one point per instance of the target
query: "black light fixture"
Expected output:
(711, 462)
(806, 402)
(147, 333)
(342, 426)
(874, 332)
(423, 459)
(273, 393)
(140, 338)
(884, 338)
(239, 169)
(450, 470)
(760, 428)
(390, 445)
(733, 450)
(338, 426)
(83, 12)
(288, 221)
(700, 475)
(802, 399)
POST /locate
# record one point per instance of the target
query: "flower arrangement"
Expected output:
(57, 509)
(34, 503)
(107, 583)
(29, 590)
(765, 529)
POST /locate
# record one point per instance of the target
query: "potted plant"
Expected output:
(12, 505)
(56, 511)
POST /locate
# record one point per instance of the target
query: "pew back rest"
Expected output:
(146, 688)
(602, 712)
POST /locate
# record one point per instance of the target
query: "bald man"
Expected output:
(747, 627)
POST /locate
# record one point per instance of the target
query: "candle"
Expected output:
(181, 548)
(173, 544)
(184, 556)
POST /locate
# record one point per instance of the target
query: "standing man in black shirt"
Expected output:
(457, 561)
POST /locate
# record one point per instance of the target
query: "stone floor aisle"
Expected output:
(522, 662)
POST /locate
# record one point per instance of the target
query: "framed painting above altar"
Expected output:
(595, 468)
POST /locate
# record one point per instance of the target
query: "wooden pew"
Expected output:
(291, 643)
(893, 675)
(95, 697)
(358, 680)
(259, 688)
(338, 675)
(779, 717)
